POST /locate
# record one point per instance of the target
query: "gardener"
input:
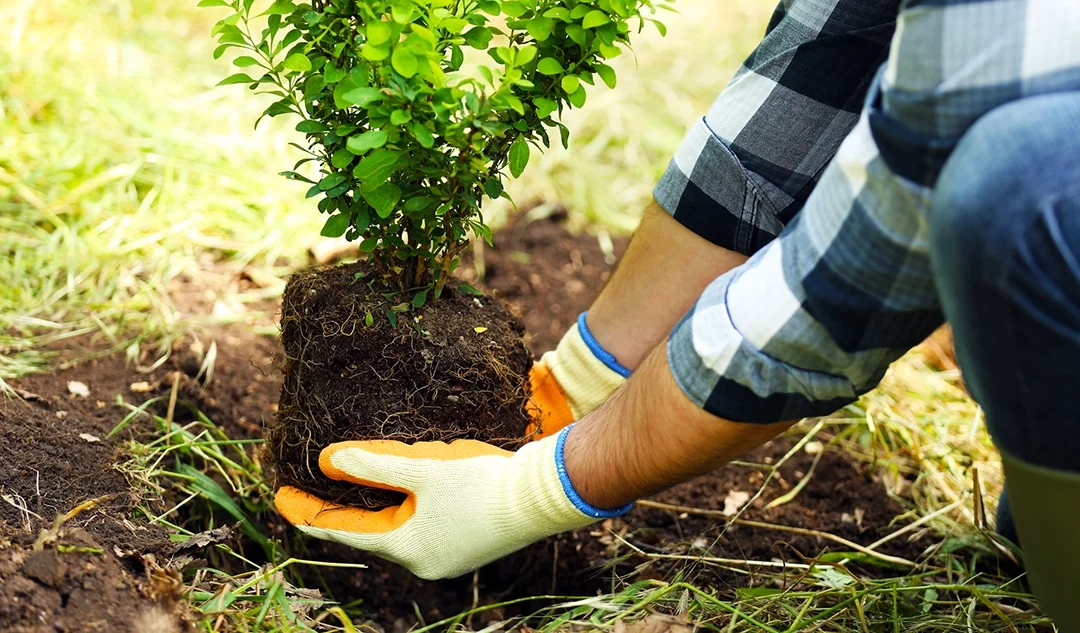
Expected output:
(879, 183)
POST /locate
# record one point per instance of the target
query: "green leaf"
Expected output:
(374, 53)
(308, 126)
(424, 135)
(478, 37)
(519, 156)
(360, 96)
(367, 140)
(544, 107)
(238, 78)
(515, 103)
(607, 74)
(375, 168)
(244, 61)
(332, 74)
(360, 75)
(383, 198)
(540, 28)
(401, 12)
(609, 51)
(369, 320)
(341, 159)
(331, 181)
(570, 83)
(397, 117)
(469, 290)
(418, 204)
(419, 298)
(490, 7)
(558, 13)
(404, 62)
(549, 66)
(453, 25)
(297, 62)
(378, 32)
(391, 316)
(280, 7)
(212, 3)
(369, 244)
(576, 33)
(514, 8)
(362, 219)
(594, 19)
(525, 55)
(335, 226)
(577, 97)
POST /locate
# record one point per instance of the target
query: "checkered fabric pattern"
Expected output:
(814, 318)
(747, 167)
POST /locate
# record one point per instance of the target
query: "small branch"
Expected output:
(782, 528)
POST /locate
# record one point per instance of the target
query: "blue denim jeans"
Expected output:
(1005, 247)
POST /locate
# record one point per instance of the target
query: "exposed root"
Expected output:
(432, 378)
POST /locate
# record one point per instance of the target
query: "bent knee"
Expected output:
(1002, 173)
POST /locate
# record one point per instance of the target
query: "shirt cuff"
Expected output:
(707, 189)
(726, 374)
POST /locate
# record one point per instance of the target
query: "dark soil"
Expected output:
(457, 368)
(842, 497)
(546, 273)
(88, 575)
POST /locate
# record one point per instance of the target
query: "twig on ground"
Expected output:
(783, 528)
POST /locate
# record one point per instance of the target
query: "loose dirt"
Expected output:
(560, 278)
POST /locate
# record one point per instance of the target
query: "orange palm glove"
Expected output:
(572, 380)
(468, 503)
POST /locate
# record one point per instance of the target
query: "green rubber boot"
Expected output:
(1046, 507)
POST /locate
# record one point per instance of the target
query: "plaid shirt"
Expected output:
(815, 317)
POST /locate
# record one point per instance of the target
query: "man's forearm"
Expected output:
(661, 275)
(649, 436)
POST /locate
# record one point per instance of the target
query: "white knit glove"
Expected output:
(572, 380)
(468, 502)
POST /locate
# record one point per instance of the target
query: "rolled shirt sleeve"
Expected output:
(746, 168)
(815, 317)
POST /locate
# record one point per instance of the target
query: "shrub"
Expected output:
(411, 126)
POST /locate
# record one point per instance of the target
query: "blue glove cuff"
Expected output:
(598, 351)
(568, 486)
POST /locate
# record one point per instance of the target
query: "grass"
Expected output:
(124, 174)
(213, 481)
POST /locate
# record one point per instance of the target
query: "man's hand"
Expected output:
(468, 502)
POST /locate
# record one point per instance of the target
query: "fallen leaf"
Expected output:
(89, 438)
(78, 388)
(140, 387)
(479, 330)
(209, 537)
(26, 395)
(655, 623)
(734, 501)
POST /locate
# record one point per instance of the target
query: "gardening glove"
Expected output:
(572, 381)
(468, 502)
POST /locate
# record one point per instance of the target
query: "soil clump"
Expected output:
(456, 368)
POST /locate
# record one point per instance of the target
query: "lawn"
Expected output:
(146, 239)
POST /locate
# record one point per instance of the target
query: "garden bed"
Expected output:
(56, 456)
